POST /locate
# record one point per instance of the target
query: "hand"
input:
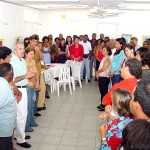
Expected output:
(104, 116)
(18, 95)
(102, 130)
(108, 108)
(97, 74)
(37, 87)
(111, 74)
(29, 75)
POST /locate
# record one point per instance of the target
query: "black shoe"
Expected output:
(47, 96)
(27, 137)
(37, 114)
(41, 108)
(98, 106)
(101, 109)
(24, 145)
(81, 80)
(89, 80)
(83, 77)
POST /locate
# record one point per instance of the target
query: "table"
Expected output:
(54, 69)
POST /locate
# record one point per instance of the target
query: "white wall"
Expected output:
(13, 24)
(19, 21)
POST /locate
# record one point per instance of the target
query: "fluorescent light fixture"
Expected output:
(52, 0)
(57, 6)
(141, 1)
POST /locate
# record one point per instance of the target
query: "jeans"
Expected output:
(116, 78)
(103, 87)
(36, 102)
(85, 63)
(92, 61)
(30, 116)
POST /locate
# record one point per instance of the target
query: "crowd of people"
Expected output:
(122, 72)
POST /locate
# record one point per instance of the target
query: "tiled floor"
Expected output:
(70, 122)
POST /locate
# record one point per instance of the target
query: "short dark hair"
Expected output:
(44, 38)
(108, 50)
(5, 68)
(136, 135)
(121, 99)
(145, 55)
(57, 38)
(4, 52)
(142, 95)
(135, 67)
(34, 37)
(103, 41)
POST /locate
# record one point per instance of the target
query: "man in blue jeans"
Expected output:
(86, 61)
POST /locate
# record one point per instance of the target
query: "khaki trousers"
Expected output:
(41, 100)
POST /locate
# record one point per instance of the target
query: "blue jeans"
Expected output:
(86, 63)
(30, 122)
(116, 78)
(36, 102)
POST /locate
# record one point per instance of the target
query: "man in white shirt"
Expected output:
(87, 48)
(21, 80)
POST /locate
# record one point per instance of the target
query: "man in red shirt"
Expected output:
(130, 72)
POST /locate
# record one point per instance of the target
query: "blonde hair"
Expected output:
(121, 99)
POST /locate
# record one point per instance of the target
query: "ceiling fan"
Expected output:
(102, 10)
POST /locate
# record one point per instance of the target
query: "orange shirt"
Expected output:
(127, 84)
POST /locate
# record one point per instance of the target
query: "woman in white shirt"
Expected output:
(103, 74)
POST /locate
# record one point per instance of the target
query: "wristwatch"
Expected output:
(103, 139)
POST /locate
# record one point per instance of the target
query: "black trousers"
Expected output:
(103, 87)
(6, 143)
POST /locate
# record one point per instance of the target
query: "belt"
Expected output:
(21, 86)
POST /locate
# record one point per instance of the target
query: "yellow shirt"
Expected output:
(31, 67)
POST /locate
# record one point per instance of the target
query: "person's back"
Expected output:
(130, 72)
(8, 108)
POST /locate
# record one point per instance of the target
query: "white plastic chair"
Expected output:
(63, 79)
(67, 63)
(76, 73)
(50, 81)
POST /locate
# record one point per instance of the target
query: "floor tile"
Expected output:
(86, 142)
(69, 141)
(62, 147)
(47, 147)
(71, 133)
(53, 140)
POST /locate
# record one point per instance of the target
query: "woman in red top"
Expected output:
(98, 53)
(76, 51)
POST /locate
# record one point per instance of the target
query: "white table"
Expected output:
(54, 69)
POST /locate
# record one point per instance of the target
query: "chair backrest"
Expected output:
(76, 69)
(47, 76)
(64, 74)
(67, 63)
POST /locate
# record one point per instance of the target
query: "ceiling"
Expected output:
(95, 7)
